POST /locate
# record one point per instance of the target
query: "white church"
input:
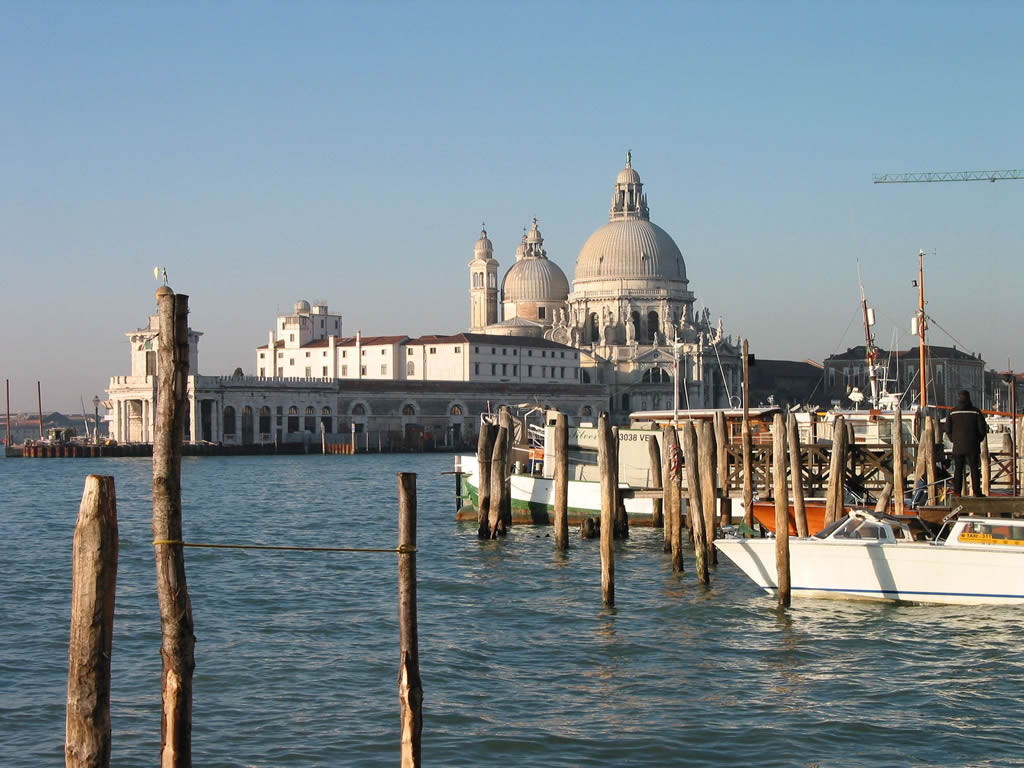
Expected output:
(611, 341)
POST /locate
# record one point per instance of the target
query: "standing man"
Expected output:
(966, 427)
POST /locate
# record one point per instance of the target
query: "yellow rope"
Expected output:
(402, 550)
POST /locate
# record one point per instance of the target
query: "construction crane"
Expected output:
(907, 178)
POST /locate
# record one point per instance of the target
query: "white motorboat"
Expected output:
(972, 560)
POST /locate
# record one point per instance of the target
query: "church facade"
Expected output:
(629, 311)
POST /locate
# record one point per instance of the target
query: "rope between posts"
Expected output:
(402, 550)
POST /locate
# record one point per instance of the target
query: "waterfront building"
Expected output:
(948, 370)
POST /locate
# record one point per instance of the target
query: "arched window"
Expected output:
(229, 420)
(325, 411)
(309, 423)
(492, 280)
(293, 419)
(358, 409)
(652, 326)
(410, 368)
(657, 376)
(265, 420)
(326, 423)
(587, 411)
(456, 410)
(595, 332)
(408, 410)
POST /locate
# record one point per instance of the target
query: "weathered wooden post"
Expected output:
(722, 444)
(694, 505)
(87, 738)
(561, 482)
(496, 506)
(835, 495)
(748, 448)
(621, 530)
(484, 449)
(410, 687)
(708, 495)
(986, 468)
(883, 497)
(178, 646)
(796, 473)
(505, 422)
(670, 483)
(899, 468)
(930, 434)
(606, 468)
(781, 509)
(657, 505)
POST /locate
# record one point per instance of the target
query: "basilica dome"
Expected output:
(533, 277)
(630, 246)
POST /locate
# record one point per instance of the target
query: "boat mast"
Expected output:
(870, 353)
(921, 327)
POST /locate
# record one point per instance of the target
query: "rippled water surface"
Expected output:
(296, 655)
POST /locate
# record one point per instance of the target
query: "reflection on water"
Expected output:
(521, 664)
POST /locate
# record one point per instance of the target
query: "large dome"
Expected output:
(533, 279)
(630, 248)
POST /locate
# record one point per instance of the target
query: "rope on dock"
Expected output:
(402, 550)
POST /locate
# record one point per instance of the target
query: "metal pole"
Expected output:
(39, 400)
(921, 328)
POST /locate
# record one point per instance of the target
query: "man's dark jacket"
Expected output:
(966, 427)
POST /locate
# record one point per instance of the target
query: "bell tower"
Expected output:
(483, 285)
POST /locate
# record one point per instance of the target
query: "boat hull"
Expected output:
(906, 572)
(533, 498)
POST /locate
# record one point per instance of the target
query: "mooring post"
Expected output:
(722, 446)
(561, 482)
(496, 512)
(410, 687)
(654, 456)
(87, 730)
(694, 505)
(505, 422)
(883, 497)
(899, 469)
(986, 468)
(708, 487)
(605, 463)
(178, 646)
(835, 495)
(796, 473)
(670, 488)
(747, 440)
(485, 446)
(929, 467)
(621, 518)
(781, 509)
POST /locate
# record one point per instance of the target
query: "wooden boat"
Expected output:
(764, 513)
(971, 560)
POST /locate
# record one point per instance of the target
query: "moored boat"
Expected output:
(971, 560)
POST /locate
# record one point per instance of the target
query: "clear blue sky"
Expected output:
(267, 152)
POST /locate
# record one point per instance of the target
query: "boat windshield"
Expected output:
(825, 532)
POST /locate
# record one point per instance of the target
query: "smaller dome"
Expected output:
(302, 307)
(534, 280)
(627, 176)
(534, 234)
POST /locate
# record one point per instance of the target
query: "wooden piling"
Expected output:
(709, 495)
(694, 506)
(561, 482)
(621, 529)
(87, 739)
(929, 432)
(505, 422)
(986, 468)
(673, 501)
(484, 448)
(178, 646)
(796, 474)
(781, 509)
(748, 447)
(899, 468)
(496, 509)
(722, 446)
(883, 497)
(654, 456)
(410, 687)
(607, 471)
(835, 496)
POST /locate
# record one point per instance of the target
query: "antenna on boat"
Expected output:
(870, 353)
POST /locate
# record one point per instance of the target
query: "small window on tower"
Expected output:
(540, 312)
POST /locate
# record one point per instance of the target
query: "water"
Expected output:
(296, 655)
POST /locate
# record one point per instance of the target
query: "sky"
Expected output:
(266, 152)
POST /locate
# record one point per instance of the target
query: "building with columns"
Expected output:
(630, 311)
